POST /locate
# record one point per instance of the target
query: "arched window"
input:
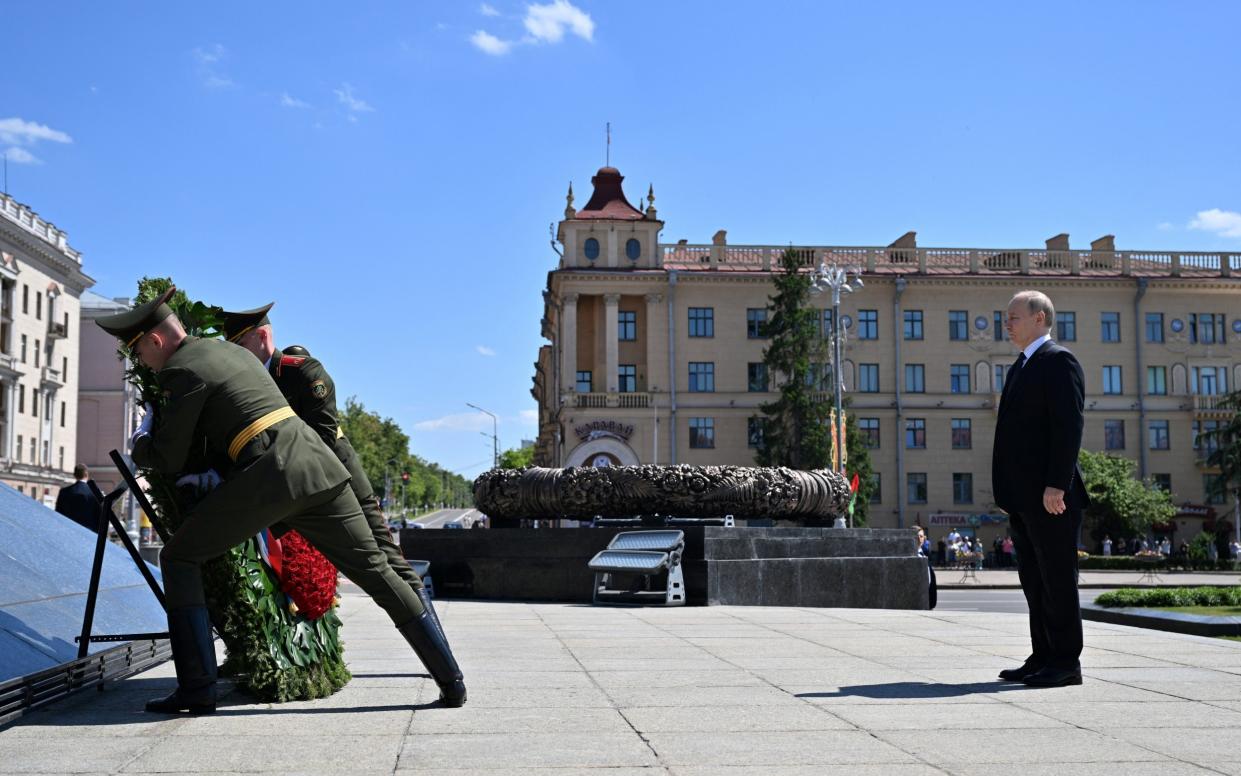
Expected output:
(633, 249)
(591, 248)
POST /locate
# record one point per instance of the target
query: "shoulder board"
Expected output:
(292, 360)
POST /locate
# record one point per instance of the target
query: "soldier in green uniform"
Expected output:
(220, 403)
(311, 393)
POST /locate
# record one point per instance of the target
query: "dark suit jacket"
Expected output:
(1038, 433)
(80, 503)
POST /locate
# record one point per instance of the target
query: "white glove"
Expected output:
(203, 482)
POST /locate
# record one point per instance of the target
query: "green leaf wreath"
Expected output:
(274, 651)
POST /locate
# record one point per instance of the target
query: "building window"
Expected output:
(1112, 383)
(19, 448)
(1205, 440)
(1109, 327)
(1206, 328)
(33, 458)
(34, 407)
(819, 376)
(62, 459)
(1208, 380)
(1157, 380)
(1158, 434)
(1154, 327)
(868, 378)
(998, 316)
(1213, 489)
(1113, 435)
(21, 398)
(633, 249)
(756, 377)
(1001, 374)
(25, 299)
(62, 416)
(826, 327)
(47, 457)
(754, 432)
(64, 370)
(1163, 482)
(962, 488)
(584, 381)
(915, 433)
(23, 348)
(915, 484)
(958, 325)
(962, 434)
(1066, 327)
(959, 375)
(915, 378)
(701, 376)
(913, 324)
(876, 488)
(591, 248)
(867, 324)
(702, 321)
(38, 314)
(38, 347)
(702, 432)
(755, 321)
(627, 378)
(626, 325)
(870, 432)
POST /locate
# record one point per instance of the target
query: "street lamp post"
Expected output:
(836, 280)
(495, 434)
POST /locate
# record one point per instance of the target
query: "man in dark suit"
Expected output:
(80, 501)
(1036, 480)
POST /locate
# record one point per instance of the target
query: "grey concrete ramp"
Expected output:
(45, 565)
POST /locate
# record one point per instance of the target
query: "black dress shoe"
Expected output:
(1018, 674)
(1054, 677)
(176, 704)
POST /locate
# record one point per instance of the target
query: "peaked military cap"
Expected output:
(236, 325)
(129, 326)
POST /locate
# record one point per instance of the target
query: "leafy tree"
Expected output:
(1226, 457)
(796, 427)
(1121, 504)
(517, 458)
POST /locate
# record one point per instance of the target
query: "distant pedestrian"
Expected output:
(80, 501)
(1107, 546)
(941, 553)
(1008, 551)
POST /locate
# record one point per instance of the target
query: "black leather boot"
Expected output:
(432, 649)
(193, 654)
(424, 595)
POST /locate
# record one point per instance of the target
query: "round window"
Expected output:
(592, 248)
(633, 249)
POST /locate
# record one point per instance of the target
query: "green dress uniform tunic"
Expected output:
(217, 394)
(311, 393)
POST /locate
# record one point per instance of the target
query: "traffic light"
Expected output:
(405, 477)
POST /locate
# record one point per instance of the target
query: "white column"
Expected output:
(10, 402)
(611, 303)
(568, 343)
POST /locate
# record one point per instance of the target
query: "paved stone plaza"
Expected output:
(563, 689)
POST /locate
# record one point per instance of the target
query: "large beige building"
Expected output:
(656, 356)
(41, 281)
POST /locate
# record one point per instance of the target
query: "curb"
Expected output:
(1193, 624)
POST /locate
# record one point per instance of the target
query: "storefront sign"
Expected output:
(603, 428)
(950, 519)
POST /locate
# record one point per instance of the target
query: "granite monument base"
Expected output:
(831, 567)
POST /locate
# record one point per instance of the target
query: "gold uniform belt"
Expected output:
(247, 434)
(340, 433)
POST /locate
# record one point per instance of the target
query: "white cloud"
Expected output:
(16, 131)
(209, 55)
(483, 350)
(547, 23)
(490, 44)
(18, 155)
(288, 101)
(354, 104)
(465, 421)
(487, 10)
(1226, 223)
(529, 417)
(1164, 226)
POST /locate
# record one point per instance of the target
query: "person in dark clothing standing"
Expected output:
(80, 501)
(1036, 480)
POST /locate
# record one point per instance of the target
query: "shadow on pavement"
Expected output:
(917, 690)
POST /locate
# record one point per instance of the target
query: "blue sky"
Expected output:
(387, 172)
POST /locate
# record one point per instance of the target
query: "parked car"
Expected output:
(454, 524)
